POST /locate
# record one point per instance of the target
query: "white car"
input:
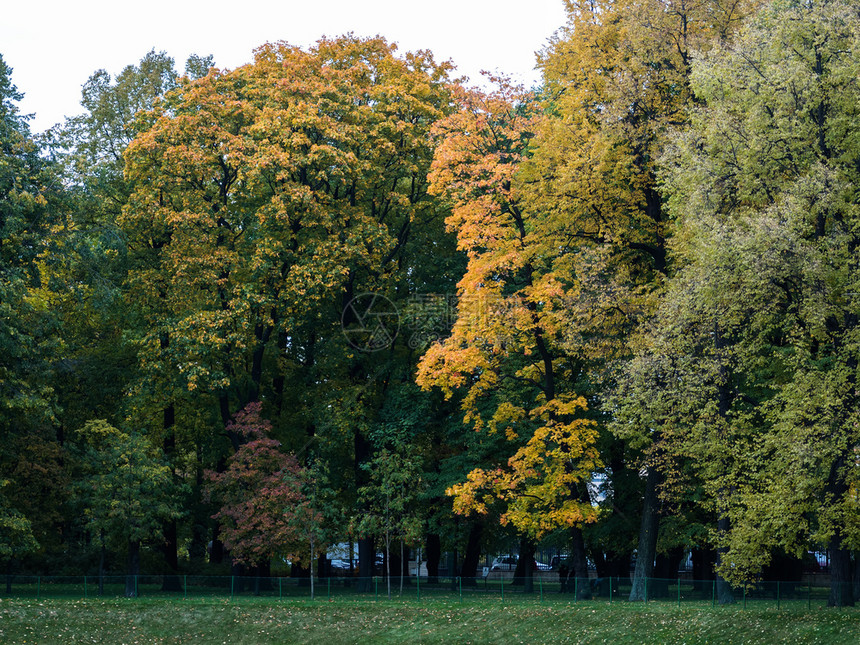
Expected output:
(509, 563)
(504, 563)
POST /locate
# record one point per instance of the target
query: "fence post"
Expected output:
(679, 592)
(502, 583)
(777, 595)
(610, 590)
(232, 585)
(280, 588)
(185, 586)
(714, 593)
(38, 587)
(375, 587)
(418, 581)
(540, 584)
(809, 595)
(136, 586)
(460, 584)
(85, 587)
(745, 595)
(646, 589)
(575, 588)
(328, 591)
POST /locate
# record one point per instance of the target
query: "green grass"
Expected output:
(439, 621)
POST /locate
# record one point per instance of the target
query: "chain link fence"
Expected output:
(541, 588)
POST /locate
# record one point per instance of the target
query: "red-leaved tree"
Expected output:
(265, 511)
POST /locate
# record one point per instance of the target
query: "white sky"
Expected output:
(53, 46)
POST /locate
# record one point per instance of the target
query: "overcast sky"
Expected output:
(53, 46)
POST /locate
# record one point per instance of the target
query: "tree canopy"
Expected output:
(336, 295)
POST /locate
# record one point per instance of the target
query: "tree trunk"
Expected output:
(600, 564)
(366, 563)
(388, 564)
(171, 581)
(725, 593)
(216, 551)
(199, 519)
(170, 545)
(524, 571)
(434, 555)
(618, 564)
(841, 575)
(403, 563)
(102, 569)
(611, 568)
(263, 577)
(237, 571)
(856, 575)
(579, 564)
(133, 569)
(665, 572)
(647, 550)
(323, 566)
(841, 578)
(312, 568)
(703, 569)
(473, 554)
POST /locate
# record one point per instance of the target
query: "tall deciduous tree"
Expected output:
(763, 320)
(616, 82)
(258, 192)
(265, 199)
(99, 363)
(27, 189)
(33, 212)
(389, 501)
(504, 351)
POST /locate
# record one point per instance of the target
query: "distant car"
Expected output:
(556, 562)
(509, 563)
(340, 566)
(504, 563)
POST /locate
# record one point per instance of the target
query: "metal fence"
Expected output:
(542, 588)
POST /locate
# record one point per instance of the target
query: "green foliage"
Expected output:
(749, 367)
(127, 489)
(32, 211)
(28, 196)
(388, 501)
(16, 534)
(664, 242)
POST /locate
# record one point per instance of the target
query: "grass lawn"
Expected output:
(338, 622)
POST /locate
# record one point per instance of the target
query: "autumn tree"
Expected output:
(251, 210)
(616, 82)
(99, 366)
(504, 352)
(33, 213)
(265, 199)
(264, 511)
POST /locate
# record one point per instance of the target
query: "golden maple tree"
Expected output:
(503, 351)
